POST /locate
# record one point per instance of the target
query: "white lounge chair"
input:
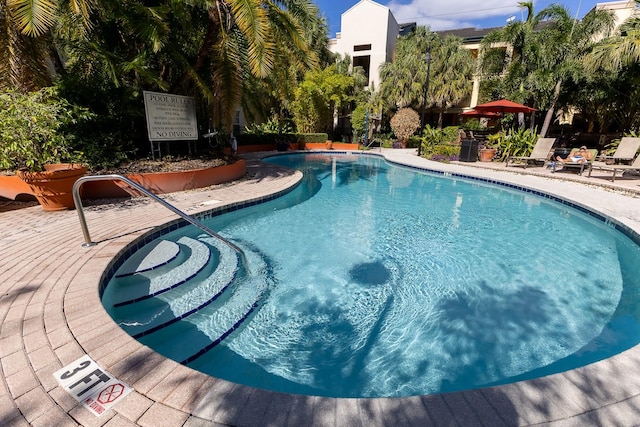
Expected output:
(540, 152)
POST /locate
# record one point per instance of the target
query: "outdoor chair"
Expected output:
(625, 153)
(540, 152)
(580, 166)
(615, 168)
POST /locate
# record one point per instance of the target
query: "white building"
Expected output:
(368, 35)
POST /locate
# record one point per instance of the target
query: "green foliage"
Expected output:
(515, 142)
(438, 144)
(444, 152)
(317, 96)
(404, 123)
(312, 137)
(37, 128)
(358, 121)
(451, 133)
(433, 136)
(473, 124)
(270, 126)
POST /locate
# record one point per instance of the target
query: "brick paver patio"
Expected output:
(51, 315)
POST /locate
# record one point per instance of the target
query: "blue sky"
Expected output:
(450, 14)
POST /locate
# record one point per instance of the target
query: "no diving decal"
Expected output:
(89, 384)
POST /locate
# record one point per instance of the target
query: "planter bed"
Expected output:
(12, 188)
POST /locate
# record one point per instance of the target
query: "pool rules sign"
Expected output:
(91, 385)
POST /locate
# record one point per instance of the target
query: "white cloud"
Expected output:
(449, 14)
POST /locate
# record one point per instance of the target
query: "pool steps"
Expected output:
(150, 257)
(200, 256)
(183, 315)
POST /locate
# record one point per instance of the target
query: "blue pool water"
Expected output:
(373, 280)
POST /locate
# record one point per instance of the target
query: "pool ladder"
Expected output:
(83, 222)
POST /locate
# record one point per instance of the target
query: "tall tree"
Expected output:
(452, 75)
(564, 43)
(403, 80)
(620, 50)
(542, 52)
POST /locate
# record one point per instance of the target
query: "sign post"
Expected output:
(170, 118)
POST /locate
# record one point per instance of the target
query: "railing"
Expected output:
(191, 220)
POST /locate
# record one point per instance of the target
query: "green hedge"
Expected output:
(313, 137)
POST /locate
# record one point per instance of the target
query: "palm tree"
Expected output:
(620, 50)
(543, 51)
(564, 43)
(452, 75)
(403, 80)
(27, 42)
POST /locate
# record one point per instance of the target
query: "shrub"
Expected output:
(312, 137)
(38, 128)
(444, 153)
(404, 123)
(515, 142)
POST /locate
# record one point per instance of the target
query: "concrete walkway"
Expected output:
(51, 315)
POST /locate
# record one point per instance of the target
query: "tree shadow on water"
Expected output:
(485, 326)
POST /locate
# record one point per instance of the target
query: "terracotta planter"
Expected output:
(487, 154)
(53, 187)
(13, 188)
(329, 144)
(169, 182)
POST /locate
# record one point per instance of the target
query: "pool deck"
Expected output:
(51, 315)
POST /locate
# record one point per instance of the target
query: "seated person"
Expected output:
(580, 156)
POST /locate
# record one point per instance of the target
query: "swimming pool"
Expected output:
(375, 280)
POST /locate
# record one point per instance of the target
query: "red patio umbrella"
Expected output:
(476, 113)
(503, 106)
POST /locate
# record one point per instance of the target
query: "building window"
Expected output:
(365, 63)
(361, 47)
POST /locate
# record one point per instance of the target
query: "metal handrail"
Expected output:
(83, 222)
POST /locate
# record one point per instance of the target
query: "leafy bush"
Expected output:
(358, 121)
(37, 129)
(404, 123)
(518, 142)
(271, 126)
(432, 137)
(450, 133)
(312, 137)
(444, 152)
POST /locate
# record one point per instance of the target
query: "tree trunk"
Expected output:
(551, 110)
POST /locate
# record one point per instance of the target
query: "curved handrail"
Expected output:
(83, 222)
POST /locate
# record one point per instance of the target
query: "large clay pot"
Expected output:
(53, 187)
(487, 154)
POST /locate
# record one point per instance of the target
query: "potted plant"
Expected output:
(490, 147)
(36, 142)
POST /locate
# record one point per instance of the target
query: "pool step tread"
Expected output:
(175, 308)
(150, 257)
(200, 256)
(203, 329)
(194, 335)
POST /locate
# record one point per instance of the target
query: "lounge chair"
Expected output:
(581, 166)
(540, 152)
(615, 168)
(625, 153)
